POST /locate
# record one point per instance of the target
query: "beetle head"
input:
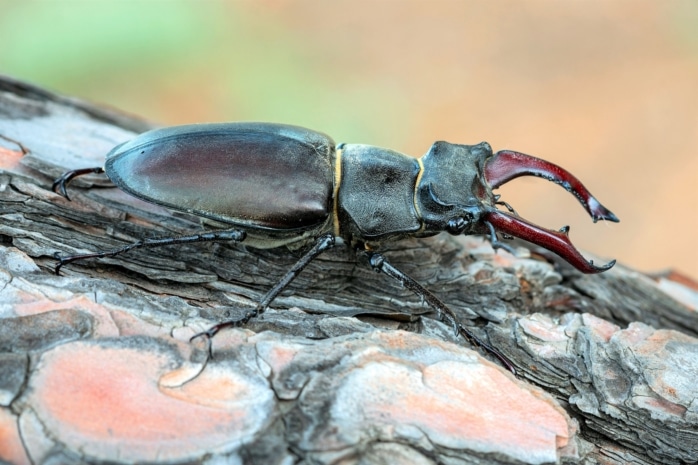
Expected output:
(452, 194)
(455, 195)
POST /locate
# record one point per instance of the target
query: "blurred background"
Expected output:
(609, 90)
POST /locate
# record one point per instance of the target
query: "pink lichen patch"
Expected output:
(11, 449)
(656, 404)
(449, 398)
(9, 159)
(543, 328)
(402, 340)
(108, 402)
(26, 298)
(216, 387)
(642, 338)
(456, 405)
(278, 356)
(53, 300)
(669, 360)
(33, 307)
(178, 377)
(229, 339)
(601, 327)
(129, 325)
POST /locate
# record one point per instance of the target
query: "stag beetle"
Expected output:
(280, 185)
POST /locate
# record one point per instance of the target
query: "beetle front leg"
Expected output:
(380, 264)
(59, 185)
(234, 235)
(322, 244)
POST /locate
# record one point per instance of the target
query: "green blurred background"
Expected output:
(607, 89)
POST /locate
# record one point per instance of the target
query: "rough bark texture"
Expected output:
(346, 367)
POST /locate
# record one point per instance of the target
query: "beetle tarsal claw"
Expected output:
(506, 165)
(60, 184)
(555, 241)
(58, 187)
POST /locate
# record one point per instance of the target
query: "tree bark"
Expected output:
(346, 366)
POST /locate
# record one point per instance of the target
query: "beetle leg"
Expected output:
(506, 165)
(555, 241)
(227, 235)
(380, 264)
(62, 182)
(508, 207)
(322, 244)
(496, 243)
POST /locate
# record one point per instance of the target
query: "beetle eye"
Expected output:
(456, 226)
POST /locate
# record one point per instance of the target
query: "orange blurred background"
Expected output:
(609, 90)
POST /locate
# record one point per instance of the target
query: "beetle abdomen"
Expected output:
(256, 175)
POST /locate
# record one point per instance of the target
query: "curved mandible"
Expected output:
(506, 165)
(555, 241)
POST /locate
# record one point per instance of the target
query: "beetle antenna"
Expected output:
(507, 206)
(496, 243)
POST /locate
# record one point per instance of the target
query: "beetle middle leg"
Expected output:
(322, 244)
(380, 264)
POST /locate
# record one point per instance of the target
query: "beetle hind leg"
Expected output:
(380, 264)
(226, 235)
(322, 244)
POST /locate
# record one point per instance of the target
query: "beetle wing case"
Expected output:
(257, 176)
